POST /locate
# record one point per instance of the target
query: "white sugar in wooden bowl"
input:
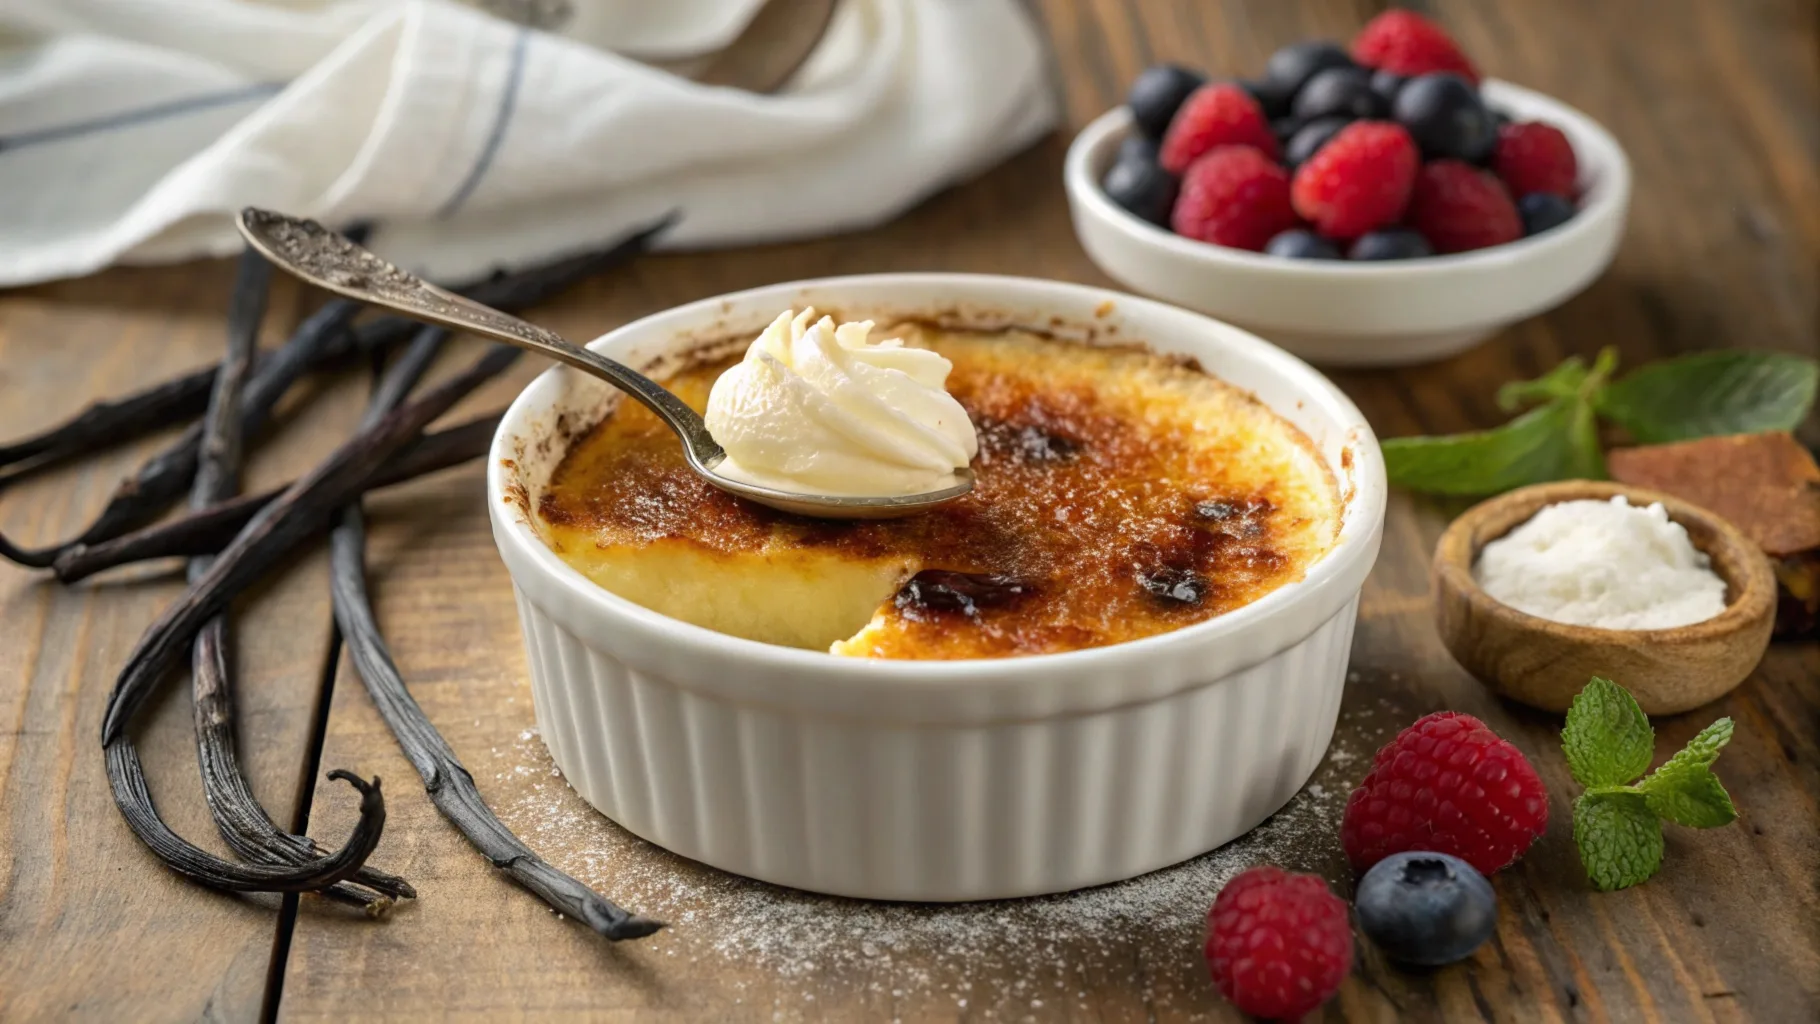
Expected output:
(1544, 664)
(1605, 564)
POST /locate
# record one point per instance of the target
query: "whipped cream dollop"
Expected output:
(817, 409)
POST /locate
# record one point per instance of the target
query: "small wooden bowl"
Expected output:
(1544, 663)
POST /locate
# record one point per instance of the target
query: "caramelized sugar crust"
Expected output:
(1119, 495)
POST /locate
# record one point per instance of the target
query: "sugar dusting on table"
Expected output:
(790, 935)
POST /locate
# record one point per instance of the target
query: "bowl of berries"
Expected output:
(1372, 206)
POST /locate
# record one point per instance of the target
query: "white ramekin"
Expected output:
(1363, 314)
(938, 780)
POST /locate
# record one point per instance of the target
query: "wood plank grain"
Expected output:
(91, 927)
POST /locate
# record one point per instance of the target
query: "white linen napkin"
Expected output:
(132, 130)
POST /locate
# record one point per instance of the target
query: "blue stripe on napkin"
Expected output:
(140, 115)
(508, 102)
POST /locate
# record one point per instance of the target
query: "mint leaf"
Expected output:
(1685, 790)
(1608, 741)
(1546, 443)
(1570, 379)
(1691, 796)
(1585, 458)
(1619, 838)
(1703, 748)
(1709, 393)
(1561, 382)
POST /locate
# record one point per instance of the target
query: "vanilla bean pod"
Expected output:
(221, 447)
(126, 776)
(241, 820)
(164, 477)
(206, 531)
(219, 457)
(239, 817)
(450, 786)
(323, 337)
(276, 529)
(113, 420)
(404, 374)
(165, 404)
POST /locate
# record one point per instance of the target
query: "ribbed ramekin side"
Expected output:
(936, 812)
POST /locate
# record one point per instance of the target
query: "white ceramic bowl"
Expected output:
(1364, 314)
(938, 780)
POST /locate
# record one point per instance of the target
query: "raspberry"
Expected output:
(1458, 207)
(1358, 180)
(1221, 114)
(1446, 784)
(1234, 196)
(1535, 157)
(1278, 944)
(1405, 43)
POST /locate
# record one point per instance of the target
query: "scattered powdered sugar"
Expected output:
(1147, 926)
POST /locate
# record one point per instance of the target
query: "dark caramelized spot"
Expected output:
(1026, 442)
(1173, 584)
(1247, 518)
(939, 590)
(1112, 501)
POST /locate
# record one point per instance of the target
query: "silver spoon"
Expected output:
(327, 260)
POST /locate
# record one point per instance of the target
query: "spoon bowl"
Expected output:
(328, 260)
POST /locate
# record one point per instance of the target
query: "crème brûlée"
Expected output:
(1119, 494)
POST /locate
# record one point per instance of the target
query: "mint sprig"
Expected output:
(1699, 395)
(1618, 820)
(1541, 444)
(1564, 381)
(1557, 440)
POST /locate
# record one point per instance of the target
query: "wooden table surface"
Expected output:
(1718, 104)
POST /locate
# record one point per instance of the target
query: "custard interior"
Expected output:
(1119, 495)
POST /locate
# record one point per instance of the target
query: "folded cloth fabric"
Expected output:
(132, 130)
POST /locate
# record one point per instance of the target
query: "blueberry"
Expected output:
(1301, 244)
(1339, 92)
(1445, 116)
(1387, 84)
(1273, 100)
(1312, 137)
(1427, 909)
(1139, 184)
(1291, 67)
(1284, 128)
(1498, 120)
(1138, 147)
(1390, 244)
(1157, 93)
(1542, 211)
